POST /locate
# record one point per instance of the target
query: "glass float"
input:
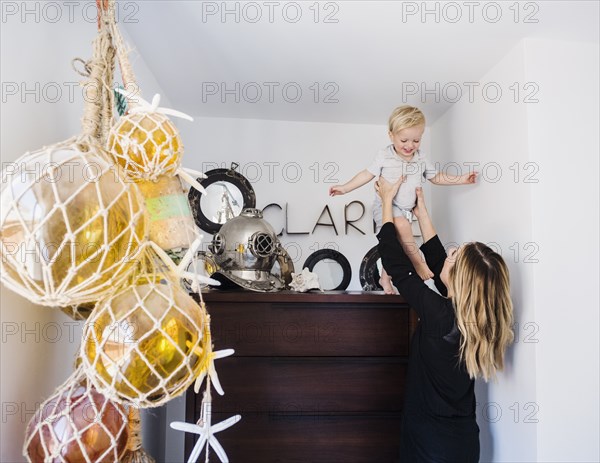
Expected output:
(146, 144)
(70, 225)
(76, 425)
(147, 343)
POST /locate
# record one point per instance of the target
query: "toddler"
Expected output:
(402, 158)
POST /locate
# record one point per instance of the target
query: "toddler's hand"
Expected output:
(336, 190)
(471, 177)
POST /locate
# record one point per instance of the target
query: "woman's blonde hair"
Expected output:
(484, 312)
(405, 117)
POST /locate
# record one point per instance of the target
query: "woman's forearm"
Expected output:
(426, 226)
(387, 212)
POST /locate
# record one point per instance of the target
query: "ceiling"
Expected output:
(352, 63)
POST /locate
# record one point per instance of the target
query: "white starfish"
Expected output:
(142, 106)
(212, 372)
(180, 270)
(206, 431)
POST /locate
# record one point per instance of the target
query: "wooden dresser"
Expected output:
(317, 377)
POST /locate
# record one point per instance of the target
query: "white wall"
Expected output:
(296, 163)
(497, 211)
(552, 374)
(563, 140)
(39, 355)
(41, 105)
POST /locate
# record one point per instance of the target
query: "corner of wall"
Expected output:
(489, 133)
(563, 122)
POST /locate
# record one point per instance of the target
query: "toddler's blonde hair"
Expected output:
(404, 117)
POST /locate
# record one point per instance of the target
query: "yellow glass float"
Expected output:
(70, 224)
(145, 142)
(146, 343)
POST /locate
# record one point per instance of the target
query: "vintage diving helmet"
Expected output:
(245, 250)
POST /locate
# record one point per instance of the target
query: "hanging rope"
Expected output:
(97, 117)
(129, 80)
(135, 430)
(99, 70)
(103, 7)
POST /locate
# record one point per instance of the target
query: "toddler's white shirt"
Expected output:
(391, 166)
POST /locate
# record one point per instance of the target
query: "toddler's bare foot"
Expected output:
(424, 272)
(386, 284)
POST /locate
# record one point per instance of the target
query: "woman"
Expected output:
(462, 334)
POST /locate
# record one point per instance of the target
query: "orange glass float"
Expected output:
(77, 425)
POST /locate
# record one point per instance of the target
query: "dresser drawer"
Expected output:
(261, 438)
(280, 329)
(310, 385)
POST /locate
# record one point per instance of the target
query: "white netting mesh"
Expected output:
(146, 145)
(73, 231)
(70, 224)
(145, 142)
(76, 424)
(147, 342)
(80, 311)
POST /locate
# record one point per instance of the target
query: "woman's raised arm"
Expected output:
(420, 211)
(426, 302)
(432, 248)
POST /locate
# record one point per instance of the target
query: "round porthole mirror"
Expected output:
(332, 268)
(228, 193)
(370, 271)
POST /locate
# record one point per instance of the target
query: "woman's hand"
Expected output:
(420, 210)
(387, 190)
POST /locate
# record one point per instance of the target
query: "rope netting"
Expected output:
(147, 342)
(146, 145)
(71, 224)
(77, 424)
(144, 141)
(77, 233)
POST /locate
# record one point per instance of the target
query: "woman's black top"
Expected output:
(439, 411)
